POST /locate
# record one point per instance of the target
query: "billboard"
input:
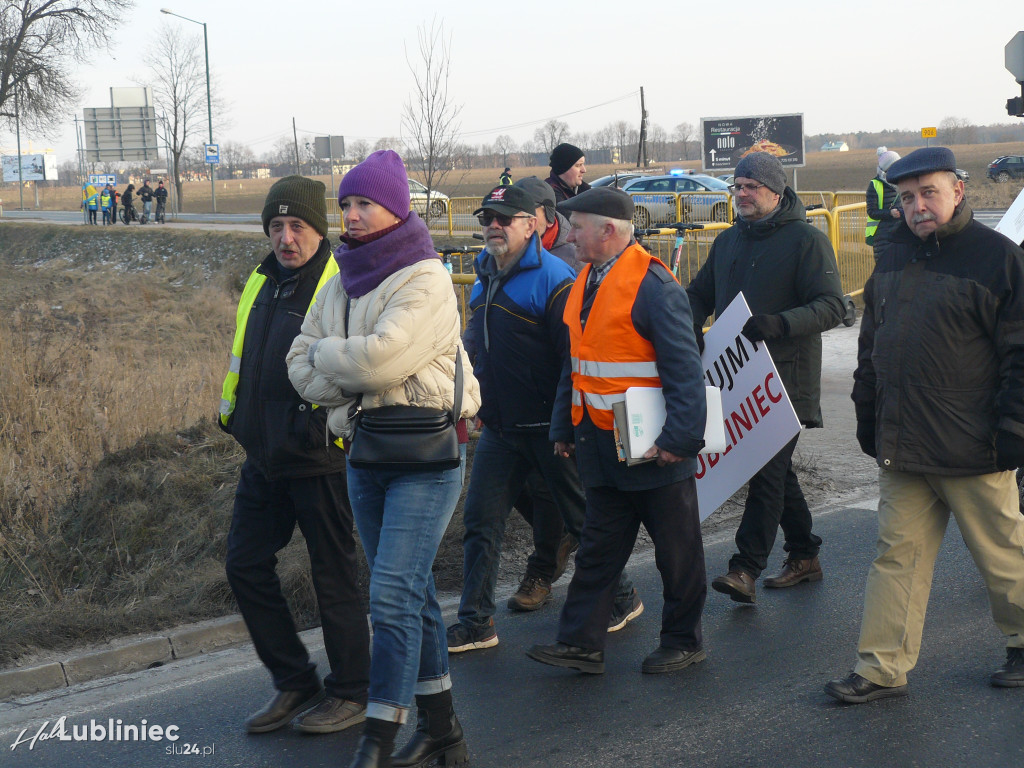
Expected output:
(120, 133)
(724, 140)
(33, 167)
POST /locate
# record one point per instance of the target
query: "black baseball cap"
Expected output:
(507, 200)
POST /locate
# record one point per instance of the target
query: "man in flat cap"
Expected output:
(516, 340)
(939, 396)
(629, 326)
(568, 165)
(787, 272)
(290, 476)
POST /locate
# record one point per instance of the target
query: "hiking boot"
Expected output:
(625, 611)
(533, 592)
(1011, 674)
(566, 547)
(736, 584)
(462, 638)
(332, 715)
(795, 571)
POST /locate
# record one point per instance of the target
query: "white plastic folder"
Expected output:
(645, 418)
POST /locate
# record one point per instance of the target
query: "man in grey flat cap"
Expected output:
(787, 272)
(939, 395)
(629, 325)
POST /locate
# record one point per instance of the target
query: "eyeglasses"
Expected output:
(735, 189)
(486, 218)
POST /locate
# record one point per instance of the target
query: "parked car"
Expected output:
(705, 198)
(962, 174)
(438, 200)
(1007, 167)
(727, 178)
(616, 179)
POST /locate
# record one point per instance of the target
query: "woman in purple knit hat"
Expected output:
(385, 331)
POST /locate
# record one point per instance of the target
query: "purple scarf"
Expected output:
(365, 266)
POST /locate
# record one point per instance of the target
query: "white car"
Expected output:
(438, 201)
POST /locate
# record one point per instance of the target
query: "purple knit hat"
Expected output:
(382, 178)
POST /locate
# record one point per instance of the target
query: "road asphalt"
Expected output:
(756, 701)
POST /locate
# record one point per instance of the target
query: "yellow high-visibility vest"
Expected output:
(872, 225)
(252, 289)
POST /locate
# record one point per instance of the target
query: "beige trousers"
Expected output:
(913, 511)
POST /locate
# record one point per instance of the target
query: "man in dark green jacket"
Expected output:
(787, 272)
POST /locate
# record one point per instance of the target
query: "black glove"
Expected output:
(698, 332)
(1009, 450)
(764, 327)
(866, 437)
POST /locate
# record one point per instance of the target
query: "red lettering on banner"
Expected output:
(777, 398)
(752, 409)
(759, 399)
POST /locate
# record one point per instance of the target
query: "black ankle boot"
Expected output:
(376, 744)
(438, 735)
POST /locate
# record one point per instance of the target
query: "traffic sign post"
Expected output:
(1014, 58)
(928, 133)
(212, 153)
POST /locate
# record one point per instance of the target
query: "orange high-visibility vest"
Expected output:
(609, 356)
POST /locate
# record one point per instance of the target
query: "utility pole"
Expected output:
(295, 138)
(17, 128)
(641, 149)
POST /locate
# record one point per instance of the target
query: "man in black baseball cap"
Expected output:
(939, 398)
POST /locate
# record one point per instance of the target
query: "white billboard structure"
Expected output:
(40, 167)
(126, 131)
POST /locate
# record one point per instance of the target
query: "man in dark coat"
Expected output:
(292, 474)
(787, 272)
(568, 166)
(939, 395)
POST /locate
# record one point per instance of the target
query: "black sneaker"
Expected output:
(1011, 674)
(462, 638)
(625, 611)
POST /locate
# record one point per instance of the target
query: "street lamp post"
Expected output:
(209, 108)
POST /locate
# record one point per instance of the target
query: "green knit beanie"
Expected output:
(300, 197)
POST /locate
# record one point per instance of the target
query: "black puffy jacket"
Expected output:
(940, 365)
(282, 434)
(784, 266)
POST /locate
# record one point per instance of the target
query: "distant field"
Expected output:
(825, 171)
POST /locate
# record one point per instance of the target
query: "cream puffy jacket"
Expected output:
(400, 347)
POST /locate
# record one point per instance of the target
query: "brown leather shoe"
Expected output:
(738, 585)
(795, 571)
(566, 547)
(332, 715)
(533, 592)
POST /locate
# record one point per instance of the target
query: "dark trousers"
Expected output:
(774, 500)
(538, 508)
(263, 522)
(670, 515)
(501, 464)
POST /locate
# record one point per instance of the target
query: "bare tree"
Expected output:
(504, 146)
(430, 120)
(957, 130)
(657, 142)
(386, 142)
(178, 77)
(40, 40)
(359, 150)
(684, 133)
(551, 134)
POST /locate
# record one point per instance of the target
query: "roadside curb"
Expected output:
(131, 656)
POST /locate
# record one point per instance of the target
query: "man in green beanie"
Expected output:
(291, 474)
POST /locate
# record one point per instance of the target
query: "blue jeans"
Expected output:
(401, 517)
(501, 464)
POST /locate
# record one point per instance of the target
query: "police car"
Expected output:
(702, 198)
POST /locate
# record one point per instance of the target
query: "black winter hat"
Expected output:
(760, 166)
(564, 157)
(300, 197)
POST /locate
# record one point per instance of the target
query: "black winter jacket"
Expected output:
(941, 360)
(563, 191)
(786, 267)
(282, 434)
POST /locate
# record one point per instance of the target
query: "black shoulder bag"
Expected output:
(407, 438)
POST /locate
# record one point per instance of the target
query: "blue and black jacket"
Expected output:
(516, 337)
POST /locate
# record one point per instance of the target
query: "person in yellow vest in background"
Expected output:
(293, 473)
(629, 325)
(90, 201)
(106, 201)
(884, 211)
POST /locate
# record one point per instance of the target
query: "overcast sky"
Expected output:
(340, 67)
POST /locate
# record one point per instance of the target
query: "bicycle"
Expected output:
(679, 229)
(160, 211)
(127, 214)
